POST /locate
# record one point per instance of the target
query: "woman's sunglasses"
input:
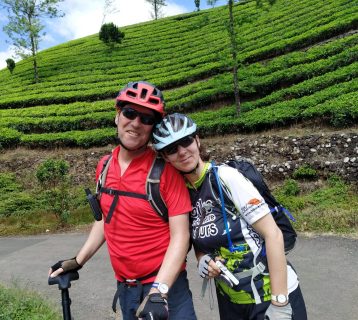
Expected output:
(173, 148)
(131, 114)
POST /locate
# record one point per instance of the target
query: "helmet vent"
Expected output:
(153, 101)
(143, 94)
(131, 94)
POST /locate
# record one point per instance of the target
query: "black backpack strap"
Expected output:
(153, 188)
(102, 177)
(116, 194)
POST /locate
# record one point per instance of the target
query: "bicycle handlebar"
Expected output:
(64, 279)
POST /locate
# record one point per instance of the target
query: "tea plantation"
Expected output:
(298, 62)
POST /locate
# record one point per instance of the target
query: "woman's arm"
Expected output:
(268, 229)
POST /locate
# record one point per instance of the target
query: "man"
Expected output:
(147, 253)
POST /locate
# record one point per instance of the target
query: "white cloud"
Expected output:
(84, 17)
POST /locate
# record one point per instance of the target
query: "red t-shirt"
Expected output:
(137, 238)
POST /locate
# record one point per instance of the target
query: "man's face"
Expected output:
(133, 133)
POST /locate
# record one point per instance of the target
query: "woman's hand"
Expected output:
(207, 267)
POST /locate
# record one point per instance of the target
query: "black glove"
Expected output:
(153, 307)
(67, 265)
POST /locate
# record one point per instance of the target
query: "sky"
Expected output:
(83, 18)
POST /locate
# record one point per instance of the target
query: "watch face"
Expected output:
(163, 288)
(281, 298)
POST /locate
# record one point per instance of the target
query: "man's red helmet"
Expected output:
(142, 93)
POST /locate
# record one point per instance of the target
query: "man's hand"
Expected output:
(64, 266)
(275, 312)
(153, 307)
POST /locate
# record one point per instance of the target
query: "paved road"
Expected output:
(327, 267)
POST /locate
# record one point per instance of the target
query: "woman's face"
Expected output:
(185, 159)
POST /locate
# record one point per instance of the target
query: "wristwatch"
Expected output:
(281, 298)
(162, 287)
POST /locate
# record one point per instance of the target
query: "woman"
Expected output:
(236, 240)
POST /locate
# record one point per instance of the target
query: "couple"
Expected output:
(148, 254)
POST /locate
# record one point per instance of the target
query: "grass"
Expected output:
(318, 205)
(328, 206)
(19, 304)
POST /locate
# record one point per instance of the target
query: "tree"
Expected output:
(157, 5)
(110, 34)
(25, 27)
(197, 5)
(211, 2)
(10, 63)
(108, 8)
(234, 48)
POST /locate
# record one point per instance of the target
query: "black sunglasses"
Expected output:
(173, 148)
(131, 114)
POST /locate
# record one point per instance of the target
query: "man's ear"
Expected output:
(116, 119)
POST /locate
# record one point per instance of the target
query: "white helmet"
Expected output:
(172, 128)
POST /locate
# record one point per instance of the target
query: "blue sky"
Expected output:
(83, 17)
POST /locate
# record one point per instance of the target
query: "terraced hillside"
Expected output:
(298, 62)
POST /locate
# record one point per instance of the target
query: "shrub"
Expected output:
(305, 172)
(53, 176)
(9, 137)
(8, 183)
(290, 188)
(10, 64)
(110, 34)
(18, 203)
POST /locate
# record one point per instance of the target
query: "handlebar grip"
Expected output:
(64, 279)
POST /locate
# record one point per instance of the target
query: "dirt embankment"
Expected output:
(276, 152)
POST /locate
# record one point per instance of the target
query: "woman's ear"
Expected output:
(197, 141)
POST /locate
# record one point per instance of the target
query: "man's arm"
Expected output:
(93, 243)
(176, 252)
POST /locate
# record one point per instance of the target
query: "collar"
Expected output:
(199, 182)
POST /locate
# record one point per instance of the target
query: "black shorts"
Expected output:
(232, 311)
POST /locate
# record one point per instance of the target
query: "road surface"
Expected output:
(327, 266)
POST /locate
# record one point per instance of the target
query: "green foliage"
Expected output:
(331, 207)
(9, 137)
(20, 304)
(289, 73)
(53, 177)
(305, 172)
(110, 34)
(24, 27)
(8, 183)
(10, 63)
(17, 203)
(290, 188)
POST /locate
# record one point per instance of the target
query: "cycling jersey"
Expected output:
(137, 238)
(209, 231)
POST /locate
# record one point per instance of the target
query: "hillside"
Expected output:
(298, 64)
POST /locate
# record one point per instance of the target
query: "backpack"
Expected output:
(280, 214)
(152, 189)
